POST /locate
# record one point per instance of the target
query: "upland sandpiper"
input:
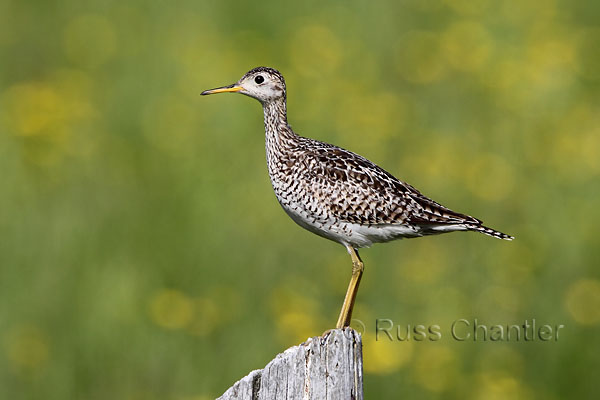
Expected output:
(338, 194)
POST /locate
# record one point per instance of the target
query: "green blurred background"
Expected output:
(143, 254)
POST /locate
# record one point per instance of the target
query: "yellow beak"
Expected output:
(224, 89)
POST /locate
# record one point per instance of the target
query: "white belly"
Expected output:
(346, 233)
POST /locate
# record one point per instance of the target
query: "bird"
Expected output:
(338, 194)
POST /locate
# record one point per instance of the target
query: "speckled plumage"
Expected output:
(341, 195)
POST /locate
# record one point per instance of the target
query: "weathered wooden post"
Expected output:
(325, 367)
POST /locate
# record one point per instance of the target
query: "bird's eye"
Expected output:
(259, 79)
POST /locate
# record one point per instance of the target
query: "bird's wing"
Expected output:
(432, 212)
(356, 190)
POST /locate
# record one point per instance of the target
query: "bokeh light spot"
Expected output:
(206, 317)
(27, 347)
(34, 108)
(315, 51)
(384, 356)
(499, 386)
(368, 119)
(171, 309)
(551, 63)
(582, 300)
(296, 326)
(40, 108)
(467, 45)
(47, 115)
(503, 74)
(296, 315)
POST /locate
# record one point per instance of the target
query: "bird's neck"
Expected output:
(278, 134)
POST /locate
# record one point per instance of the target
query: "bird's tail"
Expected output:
(489, 231)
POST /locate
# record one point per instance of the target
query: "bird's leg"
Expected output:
(357, 270)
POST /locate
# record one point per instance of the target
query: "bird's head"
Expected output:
(262, 83)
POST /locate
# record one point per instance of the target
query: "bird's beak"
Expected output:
(224, 89)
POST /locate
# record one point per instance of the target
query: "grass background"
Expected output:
(143, 254)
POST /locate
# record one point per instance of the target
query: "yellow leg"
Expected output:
(357, 271)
